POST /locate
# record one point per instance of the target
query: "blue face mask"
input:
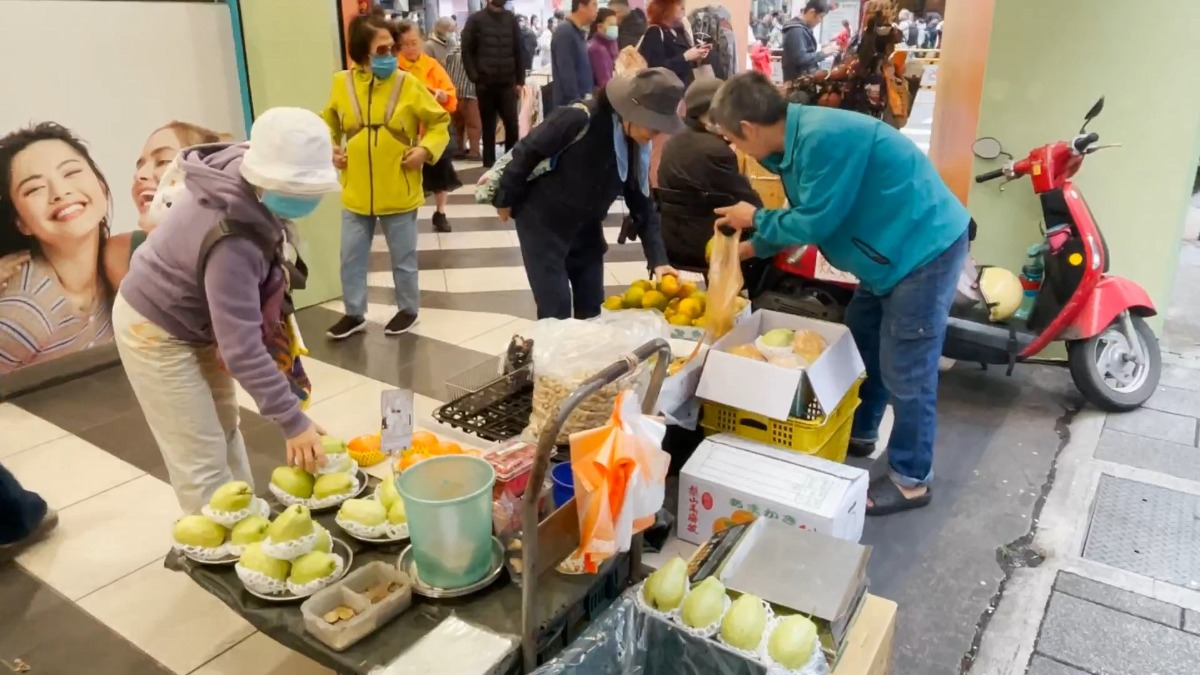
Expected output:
(289, 207)
(383, 66)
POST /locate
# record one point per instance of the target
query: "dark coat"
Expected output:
(698, 173)
(528, 48)
(631, 29)
(584, 182)
(570, 66)
(491, 48)
(800, 55)
(664, 48)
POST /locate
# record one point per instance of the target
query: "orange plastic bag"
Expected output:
(620, 473)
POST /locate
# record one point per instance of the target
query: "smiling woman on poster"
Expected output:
(54, 203)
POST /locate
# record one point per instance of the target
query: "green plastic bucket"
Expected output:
(449, 505)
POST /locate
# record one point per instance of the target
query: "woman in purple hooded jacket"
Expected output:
(189, 290)
(602, 46)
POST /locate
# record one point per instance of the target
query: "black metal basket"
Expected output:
(496, 411)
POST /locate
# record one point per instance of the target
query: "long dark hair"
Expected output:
(11, 145)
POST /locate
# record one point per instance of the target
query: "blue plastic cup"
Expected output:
(449, 504)
(564, 484)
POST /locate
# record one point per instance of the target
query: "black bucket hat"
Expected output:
(648, 98)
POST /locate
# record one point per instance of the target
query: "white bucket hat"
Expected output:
(290, 152)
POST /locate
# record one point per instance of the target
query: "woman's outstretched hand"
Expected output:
(306, 450)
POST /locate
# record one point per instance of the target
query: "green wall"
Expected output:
(292, 51)
(1048, 61)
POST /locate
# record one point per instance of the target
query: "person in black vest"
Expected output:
(800, 52)
(600, 152)
(491, 50)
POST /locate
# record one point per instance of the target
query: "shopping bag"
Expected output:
(620, 473)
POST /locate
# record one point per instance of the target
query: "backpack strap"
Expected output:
(232, 228)
(394, 96)
(348, 76)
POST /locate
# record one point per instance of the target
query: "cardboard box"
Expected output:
(733, 479)
(868, 648)
(772, 390)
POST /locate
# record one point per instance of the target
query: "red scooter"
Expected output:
(1113, 354)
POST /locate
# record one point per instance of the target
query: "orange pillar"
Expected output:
(959, 90)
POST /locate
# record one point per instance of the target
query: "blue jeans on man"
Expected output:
(900, 336)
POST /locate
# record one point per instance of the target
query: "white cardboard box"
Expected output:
(769, 390)
(729, 474)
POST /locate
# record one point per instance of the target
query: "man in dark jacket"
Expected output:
(570, 68)
(698, 173)
(632, 23)
(800, 53)
(491, 50)
(528, 42)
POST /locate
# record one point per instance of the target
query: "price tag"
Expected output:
(396, 412)
(827, 272)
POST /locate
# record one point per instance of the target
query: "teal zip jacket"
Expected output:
(863, 193)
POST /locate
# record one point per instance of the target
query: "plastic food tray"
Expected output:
(351, 592)
(496, 411)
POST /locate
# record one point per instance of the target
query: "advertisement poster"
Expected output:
(81, 153)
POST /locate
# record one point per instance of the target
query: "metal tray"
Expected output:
(286, 596)
(408, 565)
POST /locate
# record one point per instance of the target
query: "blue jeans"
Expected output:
(900, 336)
(400, 232)
(20, 510)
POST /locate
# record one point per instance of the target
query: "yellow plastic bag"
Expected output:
(620, 473)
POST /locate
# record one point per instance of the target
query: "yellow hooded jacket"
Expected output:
(374, 182)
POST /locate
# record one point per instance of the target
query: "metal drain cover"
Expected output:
(1146, 529)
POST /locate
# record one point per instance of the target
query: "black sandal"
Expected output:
(886, 498)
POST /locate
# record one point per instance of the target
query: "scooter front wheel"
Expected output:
(1114, 373)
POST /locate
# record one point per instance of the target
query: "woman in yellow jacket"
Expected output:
(440, 178)
(386, 127)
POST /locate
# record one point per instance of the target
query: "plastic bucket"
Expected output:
(564, 484)
(449, 504)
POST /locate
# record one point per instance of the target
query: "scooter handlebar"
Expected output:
(1081, 143)
(990, 175)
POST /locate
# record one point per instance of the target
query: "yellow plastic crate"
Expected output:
(825, 436)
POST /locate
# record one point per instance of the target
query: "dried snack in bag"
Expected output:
(566, 353)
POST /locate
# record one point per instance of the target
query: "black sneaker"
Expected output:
(861, 448)
(440, 223)
(400, 324)
(43, 530)
(346, 326)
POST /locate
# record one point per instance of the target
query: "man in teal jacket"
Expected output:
(876, 207)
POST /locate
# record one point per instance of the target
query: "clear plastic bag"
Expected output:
(568, 352)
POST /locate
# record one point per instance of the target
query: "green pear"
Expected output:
(388, 494)
(233, 496)
(324, 541)
(294, 523)
(253, 558)
(332, 484)
(249, 530)
(664, 589)
(293, 480)
(333, 446)
(397, 515)
(366, 512)
(199, 531)
(743, 625)
(792, 642)
(704, 604)
(312, 566)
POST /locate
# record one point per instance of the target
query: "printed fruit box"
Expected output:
(731, 480)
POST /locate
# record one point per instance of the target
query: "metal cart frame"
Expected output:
(549, 534)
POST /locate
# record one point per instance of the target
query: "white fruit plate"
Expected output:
(385, 534)
(227, 559)
(340, 548)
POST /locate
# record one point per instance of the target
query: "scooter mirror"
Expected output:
(1095, 111)
(987, 148)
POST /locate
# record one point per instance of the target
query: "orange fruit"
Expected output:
(449, 448)
(424, 440)
(408, 459)
(740, 516)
